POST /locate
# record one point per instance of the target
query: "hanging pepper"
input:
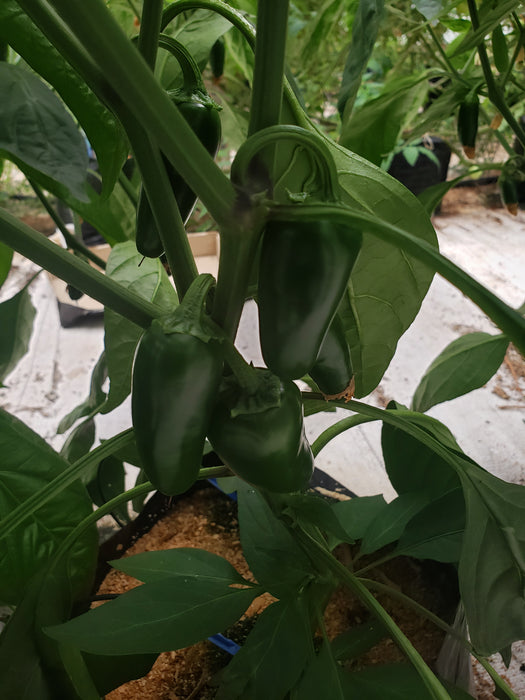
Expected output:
(176, 375)
(333, 371)
(263, 441)
(202, 114)
(468, 123)
(303, 271)
(508, 188)
(217, 56)
(500, 50)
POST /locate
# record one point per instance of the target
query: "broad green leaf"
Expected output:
(430, 8)
(16, 321)
(464, 365)
(436, 532)
(181, 562)
(492, 564)
(109, 672)
(387, 286)
(358, 640)
(94, 401)
(37, 130)
(390, 523)
(273, 656)
(166, 614)
(6, 256)
(373, 130)
(28, 464)
(275, 559)
(413, 466)
(311, 510)
(364, 34)
(103, 132)
(356, 514)
(490, 16)
(148, 279)
(324, 679)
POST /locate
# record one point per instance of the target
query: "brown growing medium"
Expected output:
(207, 520)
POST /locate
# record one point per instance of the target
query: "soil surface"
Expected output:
(208, 520)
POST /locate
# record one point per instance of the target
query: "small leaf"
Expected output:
(37, 130)
(16, 321)
(390, 523)
(276, 560)
(167, 614)
(79, 441)
(312, 510)
(6, 256)
(430, 8)
(464, 365)
(148, 279)
(356, 514)
(107, 482)
(358, 640)
(180, 562)
(96, 398)
(271, 660)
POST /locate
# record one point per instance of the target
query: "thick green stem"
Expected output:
(337, 429)
(71, 269)
(311, 545)
(149, 30)
(129, 75)
(191, 75)
(71, 241)
(505, 317)
(270, 46)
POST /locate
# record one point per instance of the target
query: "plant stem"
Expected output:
(270, 46)
(149, 30)
(70, 474)
(495, 92)
(71, 269)
(505, 317)
(310, 544)
(334, 430)
(132, 80)
(72, 241)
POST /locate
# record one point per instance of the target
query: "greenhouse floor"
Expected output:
(488, 423)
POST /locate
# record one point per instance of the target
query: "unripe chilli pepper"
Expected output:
(303, 272)
(468, 116)
(267, 448)
(176, 375)
(333, 371)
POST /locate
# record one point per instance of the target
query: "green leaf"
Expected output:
(430, 8)
(79, 442)
(164, 615)
(364, 34)
(94, 401)
(387, 286)
(102, 130)
(36, 130)
(16, 321)
(374, 129)
(109, 481)
(358, 640)
(109, 672)
(324, 679)
(436, 532)
(180, 562)
(390, 523)
(492, 564)
(311, 510)
(275, 559)
(272, 658)
(413, 466)
(356, 514)
(6, 256)
(490, 16)
(28, 464)
(148, 279)
(464, 365)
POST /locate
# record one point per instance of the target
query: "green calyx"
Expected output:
(255, 391)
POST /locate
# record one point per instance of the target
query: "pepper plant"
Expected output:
(339, 257)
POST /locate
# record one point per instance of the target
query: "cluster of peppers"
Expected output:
(189, 381)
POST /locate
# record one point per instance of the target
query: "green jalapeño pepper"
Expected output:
(202, 114)
(176, 375)
(333, 371)
(303, 272)
(468, 116)
(265, 446)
